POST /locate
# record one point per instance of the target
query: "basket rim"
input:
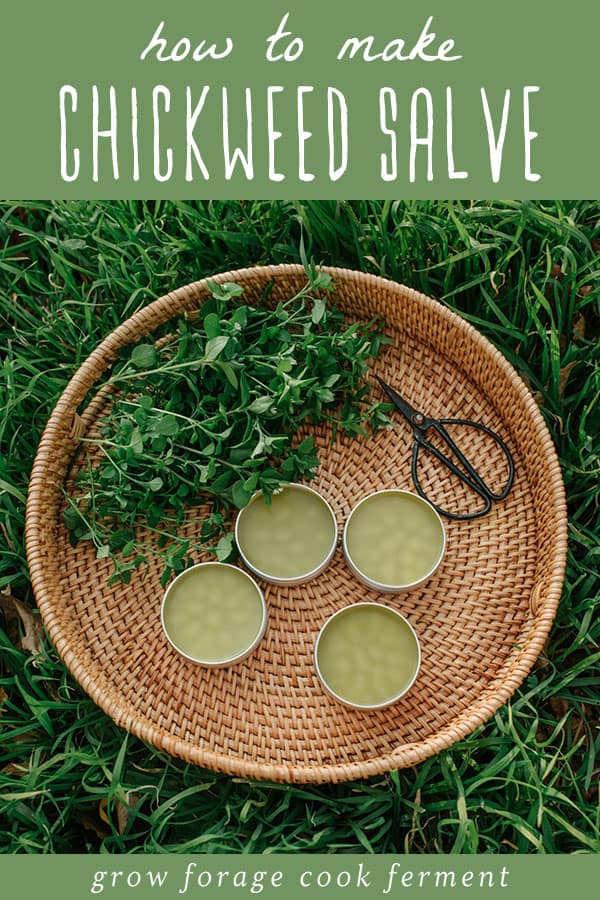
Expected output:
(494, 695)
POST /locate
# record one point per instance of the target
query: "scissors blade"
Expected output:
(413, 415)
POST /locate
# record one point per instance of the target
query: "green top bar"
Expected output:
(317, 99)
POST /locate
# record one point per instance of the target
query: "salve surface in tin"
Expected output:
(367, 655)
(394, 538)
(214, 613)
(292, 537)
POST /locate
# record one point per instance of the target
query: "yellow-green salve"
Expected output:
(289, 537)
(367, 655)
(394, 538)
(213, 613)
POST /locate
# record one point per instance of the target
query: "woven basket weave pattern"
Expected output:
(482, 619)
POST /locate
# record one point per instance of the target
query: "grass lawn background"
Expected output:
(528, 276)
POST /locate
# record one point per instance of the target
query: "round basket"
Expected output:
(482, 619)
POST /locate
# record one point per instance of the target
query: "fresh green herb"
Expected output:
(212, 410)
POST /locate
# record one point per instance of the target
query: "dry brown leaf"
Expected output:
(32, 639)
(559, 706)
(91, 823)
(17, 770)
(11, 616)
(102, 810)
(14, 611)
(124, 810)
(579, 327)
(3, 697)
(564, 377)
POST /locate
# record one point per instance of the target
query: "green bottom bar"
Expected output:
(299, 876)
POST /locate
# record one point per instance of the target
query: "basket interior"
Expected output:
(481, 619)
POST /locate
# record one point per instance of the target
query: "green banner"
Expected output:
(129, 100)
(294, 877)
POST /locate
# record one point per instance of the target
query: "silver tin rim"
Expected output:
(344, 700)
(295, 579)
(379, 585)
(215, 664)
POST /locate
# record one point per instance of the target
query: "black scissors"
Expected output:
(467, 474)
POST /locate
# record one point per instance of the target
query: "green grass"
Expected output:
(528, 276)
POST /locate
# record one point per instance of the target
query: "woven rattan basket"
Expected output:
(482, 619)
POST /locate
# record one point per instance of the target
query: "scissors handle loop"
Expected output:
(466, 472)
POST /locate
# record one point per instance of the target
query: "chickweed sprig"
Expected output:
(211, 412)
